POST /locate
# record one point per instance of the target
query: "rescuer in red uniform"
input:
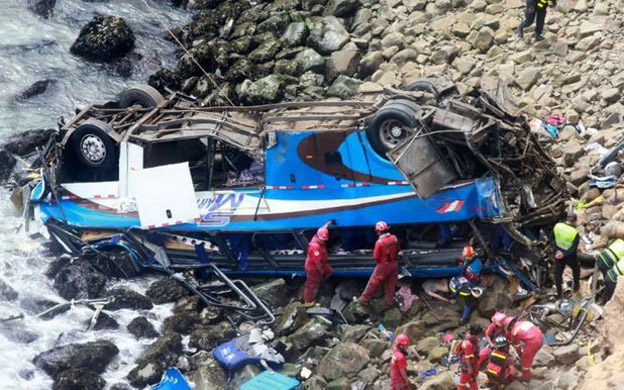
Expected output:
(468, 352)
(527, 338)
(387, 269)
(316, 265)
(398, 364)
(495, 329)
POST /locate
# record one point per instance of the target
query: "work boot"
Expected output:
(539, 38)
(520, 31)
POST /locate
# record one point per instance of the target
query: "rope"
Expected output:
(151, 10)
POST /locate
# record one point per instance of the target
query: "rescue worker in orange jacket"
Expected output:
(316, 265)
(527, 339)
(386, 271)
(398, 364)
(468, 352)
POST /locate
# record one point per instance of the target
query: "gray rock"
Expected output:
(370, 63)
(376, 347)
(369, 374)
(128, 299)
(567, 354)
(427, 344)
(403, 56)
(572, 150)
(544, 359)
(354, 333)
(308, 335)
(344, 87)
(483, 39)
(94, 356)
(491, 302)
(528, 77)
(289, 67)
(206, 338)
(415, 330)
(343, 62)
(345, 359)
(275, 24)
(140, 327)
(35, 89)
(437, 353)
(79, 280)
(310, 79)
(328, 35)
(295, 34)
(342, 8)
(273, 291)
(103, 39)
(78, 378)
(266, 51)
(393, 39)
(392, 318)
(611, 95)
(311, 60)
(156, 359)
(209, 376)
(292, 318)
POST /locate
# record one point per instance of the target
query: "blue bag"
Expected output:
(172, 379)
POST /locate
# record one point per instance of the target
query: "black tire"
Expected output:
(394, 112)
(424, 85)
(92, 147)
(142, 95)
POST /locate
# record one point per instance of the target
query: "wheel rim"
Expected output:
(392, 132)
(93, 148)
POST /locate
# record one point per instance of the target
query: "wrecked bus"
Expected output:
(171, 183)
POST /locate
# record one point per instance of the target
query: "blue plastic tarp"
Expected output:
(270, 381)
(172, 379)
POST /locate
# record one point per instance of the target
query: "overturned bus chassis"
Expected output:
(175, 184)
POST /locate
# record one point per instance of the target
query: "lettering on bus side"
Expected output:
(217, 210)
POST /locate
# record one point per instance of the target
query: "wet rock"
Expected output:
(343, 62)
(295, 35)
(79, 280)
(345, 359)
(103, 39)
(17, 333)
(43, 8)
(206, 338)
(275, 24)
(37, 88)
(342, 8)
(289, 67)
(128, 299)
(273, 292)
(104, 321)
(158, 357)
(392, 318)
(141, 328)
(490, 303)
(78, 379)
(344, 87)
(26, 142)
(328, 35)
(94, 356)
(166, 291)
(269, 89)
(293, 318)
(7, 293)
(202, 54)
(164, 78)
(266, 51)
(7, 163)
(311, 60)
(355, 312)
(312, 333)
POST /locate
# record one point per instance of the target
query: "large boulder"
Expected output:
(311, 60)
(342, 8)
(269, 89)
(140, 328)
(35, 89)
(93, 356)
(343, 62)
(327, 35)
(344, 87)
(273, 292)
(209, 337)
(27, 142)
(345, 359)
(104, 38)
(128, 299)
(79, 280)
(312, 333)
(156, 359)
(295, 34)
(166, 290)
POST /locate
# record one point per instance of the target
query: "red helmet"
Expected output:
(323, 234)
(468, 252)
(499, 318)
(381, 227)
(402, 339)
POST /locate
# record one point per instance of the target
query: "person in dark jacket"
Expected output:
(535, 11)
(564, 241)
